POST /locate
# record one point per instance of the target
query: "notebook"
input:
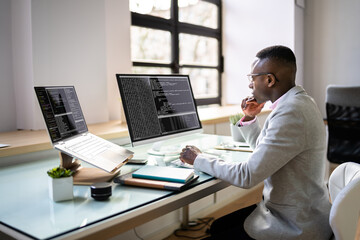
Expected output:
(69, 134)
(127, 179)
(170, 174)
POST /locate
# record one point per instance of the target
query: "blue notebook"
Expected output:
(171, 174)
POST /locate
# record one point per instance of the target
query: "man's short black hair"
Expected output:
(278, 52)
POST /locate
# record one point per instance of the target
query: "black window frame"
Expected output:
(175, 27)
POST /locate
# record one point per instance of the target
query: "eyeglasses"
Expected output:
(252, 75)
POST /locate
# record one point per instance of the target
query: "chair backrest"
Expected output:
(343, 117)
(344, 188)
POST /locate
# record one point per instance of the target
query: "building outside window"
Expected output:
(180, 36)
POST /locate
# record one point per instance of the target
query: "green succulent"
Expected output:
(60, 172)
(235, 118)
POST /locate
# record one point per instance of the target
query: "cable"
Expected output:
(137, 234)
(201, 222)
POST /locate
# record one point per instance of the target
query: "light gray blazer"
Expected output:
(289, 157)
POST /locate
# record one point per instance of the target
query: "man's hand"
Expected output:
(251, 108)
(189, 153)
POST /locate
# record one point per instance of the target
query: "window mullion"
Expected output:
(221, 57)
(148, 21)
(150, 64)
(216, 2)
(175, 36)
(207, 101)
(198, 30)
(198, 66)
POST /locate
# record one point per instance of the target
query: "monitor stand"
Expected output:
(85, 176)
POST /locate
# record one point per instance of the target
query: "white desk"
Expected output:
(27, 211)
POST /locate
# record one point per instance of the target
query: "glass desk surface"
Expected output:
(25, 205)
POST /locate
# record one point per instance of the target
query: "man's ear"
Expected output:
(271, 80)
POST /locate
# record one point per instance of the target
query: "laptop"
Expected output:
(69, 134)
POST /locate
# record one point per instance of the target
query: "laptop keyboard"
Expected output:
(89, 147)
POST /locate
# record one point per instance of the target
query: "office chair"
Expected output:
(343, 117)
(344, 188)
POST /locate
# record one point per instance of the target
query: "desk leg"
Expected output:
(185, 217)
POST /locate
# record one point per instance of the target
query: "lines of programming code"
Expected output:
(141, 111)
(62, 112)
(173, 124)
(65, 121)
(46, 109)
(172, 95)
(157, 106)
(175, 104)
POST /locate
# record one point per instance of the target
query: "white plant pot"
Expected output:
(236, 133)
(61, 189)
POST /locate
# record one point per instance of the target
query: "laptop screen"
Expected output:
(62, 112)
(157, 106)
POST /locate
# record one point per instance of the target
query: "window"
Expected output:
(180, 36)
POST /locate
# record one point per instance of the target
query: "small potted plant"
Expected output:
(235, 131)
(60, 184)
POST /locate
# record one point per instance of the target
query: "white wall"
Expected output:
(249, 26)
(82, 43)
(324, 35)
(118, 59)
(22, 65)
(7, 97)
(299, 35)
(332, 46)
(69, 49)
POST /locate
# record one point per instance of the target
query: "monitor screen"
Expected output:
(62, 112)
(158, 106)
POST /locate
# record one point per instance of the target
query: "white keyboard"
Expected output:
(89, 146)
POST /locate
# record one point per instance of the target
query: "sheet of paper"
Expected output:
(234, 146)
(2, 145)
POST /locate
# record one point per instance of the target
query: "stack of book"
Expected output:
(167, 178)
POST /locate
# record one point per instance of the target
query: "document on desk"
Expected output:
(234, 147)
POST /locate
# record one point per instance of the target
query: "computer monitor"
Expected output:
(158, 107)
